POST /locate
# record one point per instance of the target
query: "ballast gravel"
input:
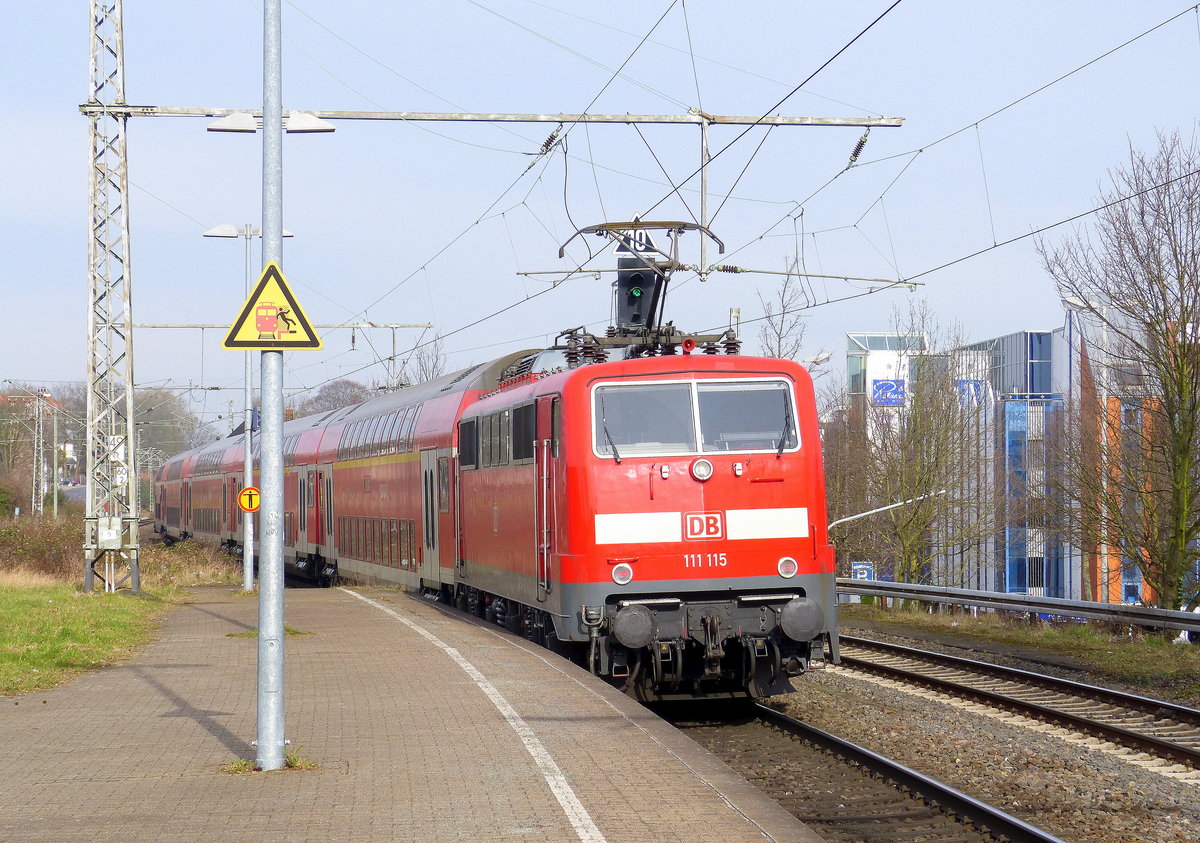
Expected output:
(1073, 792)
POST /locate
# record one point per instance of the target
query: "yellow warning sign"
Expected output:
(271, 318)
(250, 499)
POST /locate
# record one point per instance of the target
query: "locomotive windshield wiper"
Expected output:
(607, 435)
(787, 426)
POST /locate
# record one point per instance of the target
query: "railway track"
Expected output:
(842, 791)
(1160, 729)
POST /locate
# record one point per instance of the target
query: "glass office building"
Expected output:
(1015, 378)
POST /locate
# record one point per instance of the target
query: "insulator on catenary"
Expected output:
(728, 267)
(549, 142)
(858, 148)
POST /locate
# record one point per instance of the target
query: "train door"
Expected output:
(327, 488)
(430, 557)
(545, 454)
(316, 513)
(234, 509)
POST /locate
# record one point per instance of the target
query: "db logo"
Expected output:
(703, 525)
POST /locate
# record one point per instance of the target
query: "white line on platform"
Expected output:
(578, 816)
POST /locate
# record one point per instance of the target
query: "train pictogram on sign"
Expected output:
(271, 318)
(249, 499)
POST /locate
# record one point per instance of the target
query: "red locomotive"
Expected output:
(661, 518)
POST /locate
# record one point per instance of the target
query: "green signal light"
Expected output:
(636, 292)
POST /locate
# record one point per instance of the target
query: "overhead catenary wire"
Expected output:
(913, 154)
(785, 98)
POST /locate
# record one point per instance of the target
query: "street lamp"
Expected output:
(248, 232)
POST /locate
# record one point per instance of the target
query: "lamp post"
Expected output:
(247, 232)
(812, 364)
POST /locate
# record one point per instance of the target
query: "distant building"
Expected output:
(1018, 388)
(1032, 556)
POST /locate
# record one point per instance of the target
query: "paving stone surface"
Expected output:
(382, 696)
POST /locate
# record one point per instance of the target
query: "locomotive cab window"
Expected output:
(746, 416)
(662, 418)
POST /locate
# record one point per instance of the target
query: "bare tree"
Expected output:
(164, 420)
(847, 469)
(923, 442)
(781, 332)
(427, 362)
(332, 396)
(1130, 454)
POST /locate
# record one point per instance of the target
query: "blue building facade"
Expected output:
(1032, 556)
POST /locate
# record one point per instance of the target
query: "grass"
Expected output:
(292, 760)
(1148, 661)
(50, 631)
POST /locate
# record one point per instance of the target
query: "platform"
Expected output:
(426, 727)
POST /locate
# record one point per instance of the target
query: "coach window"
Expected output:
(522, 433)
(403, 544)
(402, 428)
(410, 431)
(379, 436)
(389, 434)
(487, 445)
(443, 469)
(372, 437)
(505, 435)
(355, 439)
(360, 439)
(468, 445)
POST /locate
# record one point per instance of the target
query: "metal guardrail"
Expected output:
(1111, 612)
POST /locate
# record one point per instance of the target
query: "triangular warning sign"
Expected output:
(271, 318)
(636, 241)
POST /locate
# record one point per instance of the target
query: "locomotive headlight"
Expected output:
(788, 567)
(622, 573)
(702, 469)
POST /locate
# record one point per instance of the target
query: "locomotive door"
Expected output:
(544, 453)
(430, 555)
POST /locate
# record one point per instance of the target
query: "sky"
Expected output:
(400, 222)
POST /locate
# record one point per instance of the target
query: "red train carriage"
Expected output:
(661, 517)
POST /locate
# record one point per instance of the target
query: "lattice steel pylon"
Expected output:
(111, 515)
(38, 496)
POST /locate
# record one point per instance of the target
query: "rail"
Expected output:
(1147, 616)
(985, 817)
(1023, 692)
